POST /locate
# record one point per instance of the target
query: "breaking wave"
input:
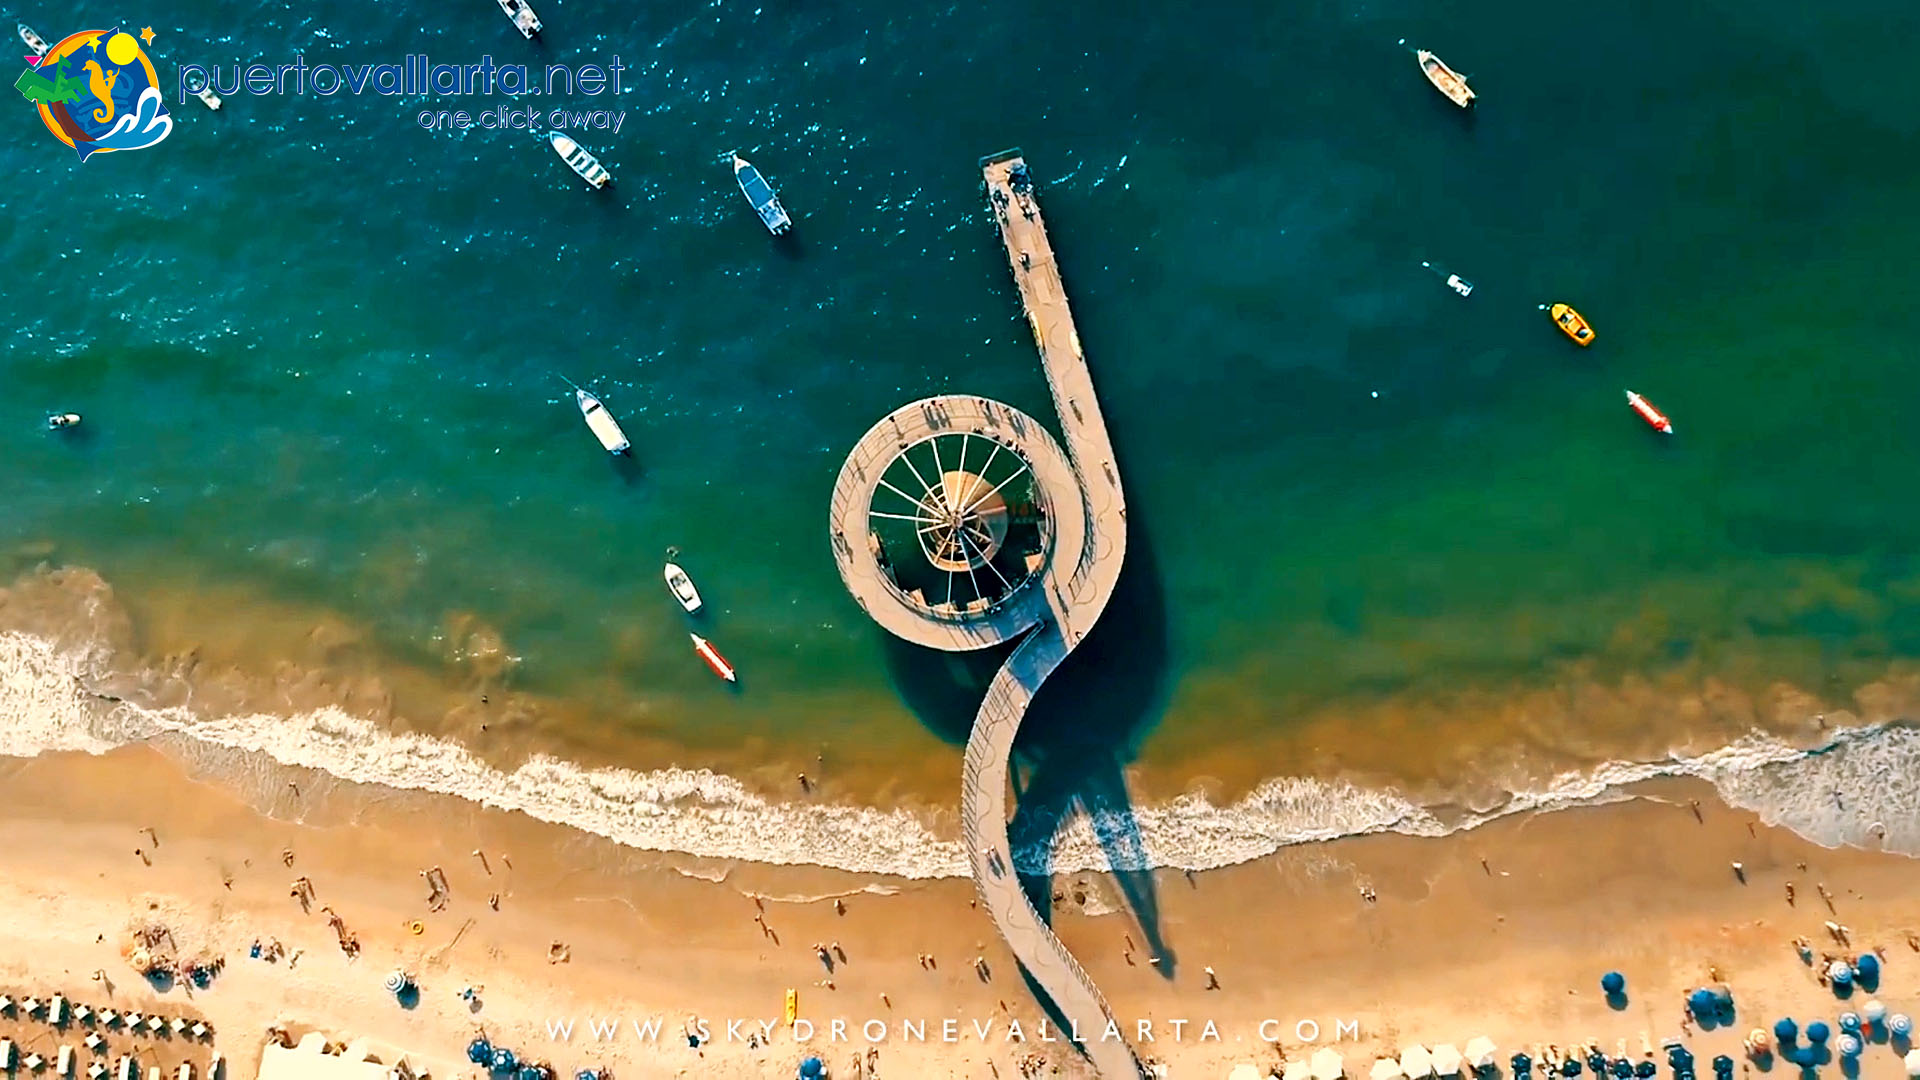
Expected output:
(1861, 787)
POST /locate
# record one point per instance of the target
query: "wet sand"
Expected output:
(1448, 949)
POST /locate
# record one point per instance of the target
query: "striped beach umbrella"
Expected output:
(1900, 1024)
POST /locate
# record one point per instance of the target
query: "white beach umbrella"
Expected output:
(1480, 1052)
(1327, 1064)
(1913, 1062)
(1385, 1069)
(1446, 1060)
(1415, 1062)
(1245, 1072)
(1297, 1070)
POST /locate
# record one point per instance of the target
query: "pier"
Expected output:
(1045, 572)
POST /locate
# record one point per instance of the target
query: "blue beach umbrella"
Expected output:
(532, 1072)
(1644, 1070)
(1569, 1067)
(1849, 1045)
(1867, 968)
(1785, 1030)
(1613, 982)
(1622, 1069)
(1722, 1064)
(1680, 1058)
(586, 1074)
(479, 1051)
(811, 1069)
(1597, 1063)
(503, 1060)
(1850, 1022)
(1702, 1004)
(1818, 1031)
(1521, 1063)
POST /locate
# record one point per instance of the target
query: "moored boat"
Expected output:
(1655, 419)
(681, 586)
(600, 423)
(207, 95)
(1444, 79)
(585, 165)
(1572, 324)
(34, 41)
(761, 195)
(713, 658)
(524, 20)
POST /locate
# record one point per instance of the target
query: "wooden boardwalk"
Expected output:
(1085, 542)
(1077, 592)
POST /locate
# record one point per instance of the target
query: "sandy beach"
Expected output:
(1502, 931)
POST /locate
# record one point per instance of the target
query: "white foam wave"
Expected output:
(697, 812)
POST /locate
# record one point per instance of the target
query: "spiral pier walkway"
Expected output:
(1084, 525)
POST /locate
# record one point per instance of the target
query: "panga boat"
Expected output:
(524, 20)
(682, 588)
(761, 195)
(713, 658)
(1655, 419)
(602, 425)
(207, 95)
(1445, 79)
(34, 41)
(1572, 325)
(584, 164)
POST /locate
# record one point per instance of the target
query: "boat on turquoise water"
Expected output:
(206, 95)
(524, 20)
(1655, 419)
(761, 194)
(681, 586)
(585, 165)
(34, 41)
(1444, 79)
(601, 423)
(713, 658)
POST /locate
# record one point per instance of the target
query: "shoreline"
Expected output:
(1516, 941)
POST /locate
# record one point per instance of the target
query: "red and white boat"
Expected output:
(1655, 419)
(713, 658)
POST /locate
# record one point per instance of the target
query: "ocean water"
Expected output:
(1401, 559)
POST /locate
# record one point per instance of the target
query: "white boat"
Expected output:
(207, 95)
(761, 194)
(601, 424)
(681, 586)
(34, 41)
(524, 20)
(582, 163)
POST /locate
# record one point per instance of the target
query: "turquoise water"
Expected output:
(319, 350)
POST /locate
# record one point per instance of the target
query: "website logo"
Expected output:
(97, 91)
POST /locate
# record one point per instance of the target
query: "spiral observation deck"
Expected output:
(1010, 535)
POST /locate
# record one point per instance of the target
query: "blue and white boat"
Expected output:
(761, 195)
(524, 20)
(582, 163)
(34, 41)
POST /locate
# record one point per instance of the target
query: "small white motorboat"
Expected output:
(524, 20)
(681, 586)
(34, 41)
(761, 195)
(585, 165)
(601, 424)
(207, 95)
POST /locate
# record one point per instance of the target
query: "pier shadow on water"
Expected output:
(1086, 723)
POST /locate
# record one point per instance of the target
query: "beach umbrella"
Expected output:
(1597, 1063)
(1873, 1011)
(503, 1060)
(1384, 1069)
(1250, 1072)
(1613, 982)
(1446, 1060)
(1849, 1022)
(1679, 1057)
(1298, 1070)
(1722, 1063)
(1818, 1031)
(1900, 1024)
(1622, 1069)
(811, 1069)
(1702, 1004)
(1521, 1063)
(1570, 1067)
(1644, 1070)
(479, 1051)
(1480, 1051)
(1868, 967)
(532, 1072)
(1849, 1045)
(586, 1074)
(1840, 973)
(1913, 1062)
(1327, 1064)
(1786, 1031)
(397, 982)
(1415, 1062)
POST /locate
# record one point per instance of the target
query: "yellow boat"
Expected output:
(1444, 79)
(1572, 325)
(793, 1006)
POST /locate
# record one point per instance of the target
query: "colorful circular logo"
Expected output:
(97, 92)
